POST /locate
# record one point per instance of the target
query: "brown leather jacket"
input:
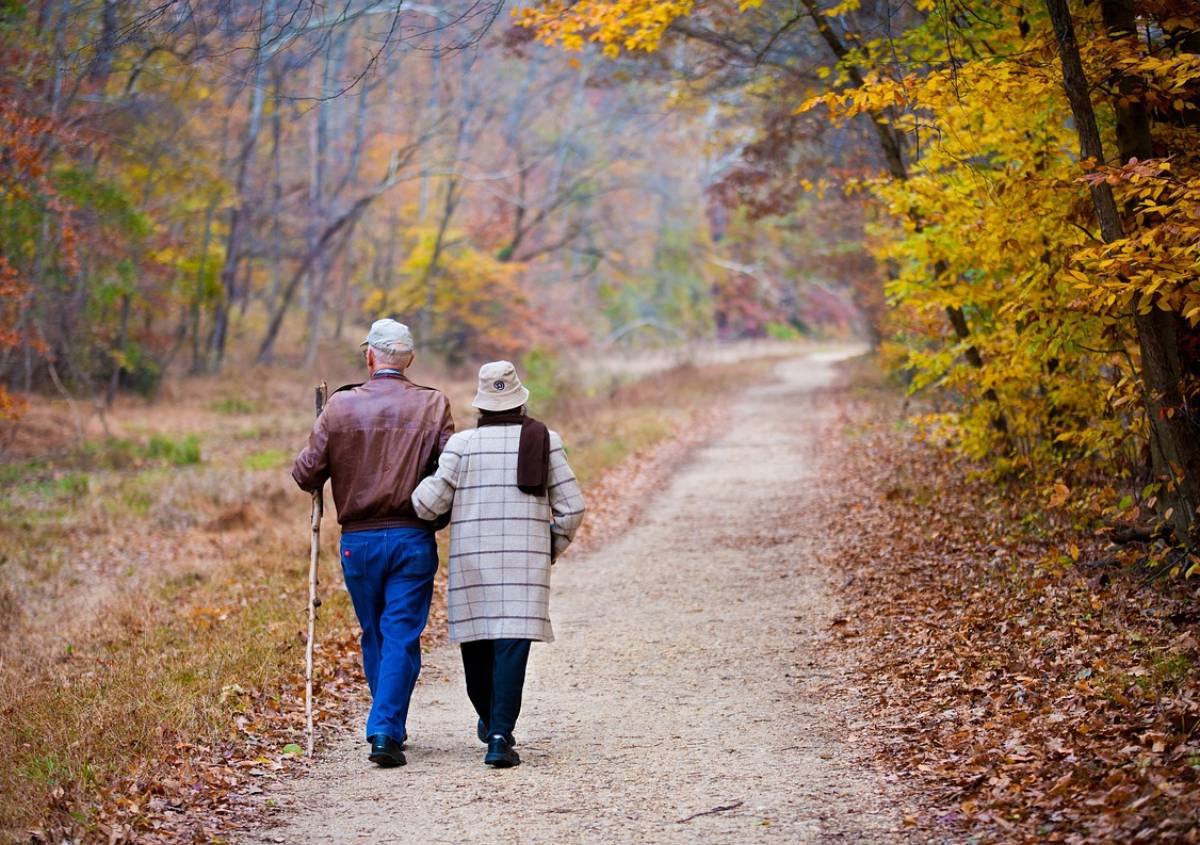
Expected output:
(375, 442)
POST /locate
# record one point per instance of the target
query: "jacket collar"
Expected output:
(388, 373)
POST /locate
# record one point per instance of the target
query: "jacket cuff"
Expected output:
(559, 542)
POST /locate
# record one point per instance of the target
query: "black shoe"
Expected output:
(386, 752)
(500, 753)
(403, 740)
(481, 732)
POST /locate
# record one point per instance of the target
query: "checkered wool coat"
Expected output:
(500, 538)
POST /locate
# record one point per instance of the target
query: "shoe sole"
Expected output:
(501, 762)
(387, 761)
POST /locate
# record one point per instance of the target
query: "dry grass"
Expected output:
(603, 429)
(145, 598)
(147, 576)
(152, 668)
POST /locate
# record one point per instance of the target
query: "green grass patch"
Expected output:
(250, 432)
(120, 453)
(110, 453)
(182, 452)
(20, 472)
(134, 494)
(55, 486)
(1167, 672)
(137, 501)
(235, 405)
(267, 459)
(73, 485)
(542, 376)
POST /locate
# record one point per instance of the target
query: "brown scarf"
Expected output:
(533, 455)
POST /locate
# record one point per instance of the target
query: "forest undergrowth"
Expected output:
(1031, 679)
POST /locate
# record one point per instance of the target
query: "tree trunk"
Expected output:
(118, 349)
(318, 201)
(238, 213)
(106, 45)
(435, 106)
(429, 278)
(889, 141)
(276, 194)
(1174, 429)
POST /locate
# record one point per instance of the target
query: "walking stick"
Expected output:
(318, 508)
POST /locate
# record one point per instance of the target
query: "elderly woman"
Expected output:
(516, 507)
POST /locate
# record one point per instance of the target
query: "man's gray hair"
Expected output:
(392, 354)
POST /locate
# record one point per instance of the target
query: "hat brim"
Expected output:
(406, 347)
(501, 402)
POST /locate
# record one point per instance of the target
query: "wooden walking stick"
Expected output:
(318, 508)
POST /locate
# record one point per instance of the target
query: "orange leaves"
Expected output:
(1169, 81)
(22, 156)
(13, 290)
(1155, 265)
(1023, 679)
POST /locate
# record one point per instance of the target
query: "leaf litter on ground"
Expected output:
(1029, 680)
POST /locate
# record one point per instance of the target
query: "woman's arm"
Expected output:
(435, 494)
(566, 499)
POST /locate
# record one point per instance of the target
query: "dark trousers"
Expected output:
(495, 671)
(389, 573)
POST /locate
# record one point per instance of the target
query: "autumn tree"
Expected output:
(1069, 347)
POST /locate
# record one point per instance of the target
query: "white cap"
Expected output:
(499, 388)
(390, 335)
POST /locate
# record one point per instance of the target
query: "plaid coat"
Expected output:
(500, 538)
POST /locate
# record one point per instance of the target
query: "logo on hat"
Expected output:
(499, 385)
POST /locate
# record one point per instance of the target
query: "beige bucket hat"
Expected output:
(500, 388)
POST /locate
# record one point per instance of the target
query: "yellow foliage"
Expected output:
(467, 302)
(993, 219)
(630, 25)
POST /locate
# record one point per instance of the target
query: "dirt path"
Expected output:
(688, 676)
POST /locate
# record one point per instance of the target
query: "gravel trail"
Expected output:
(691, 695)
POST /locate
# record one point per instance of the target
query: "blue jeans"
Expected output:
(389, 573)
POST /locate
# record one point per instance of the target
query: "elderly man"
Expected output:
(375, 441)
